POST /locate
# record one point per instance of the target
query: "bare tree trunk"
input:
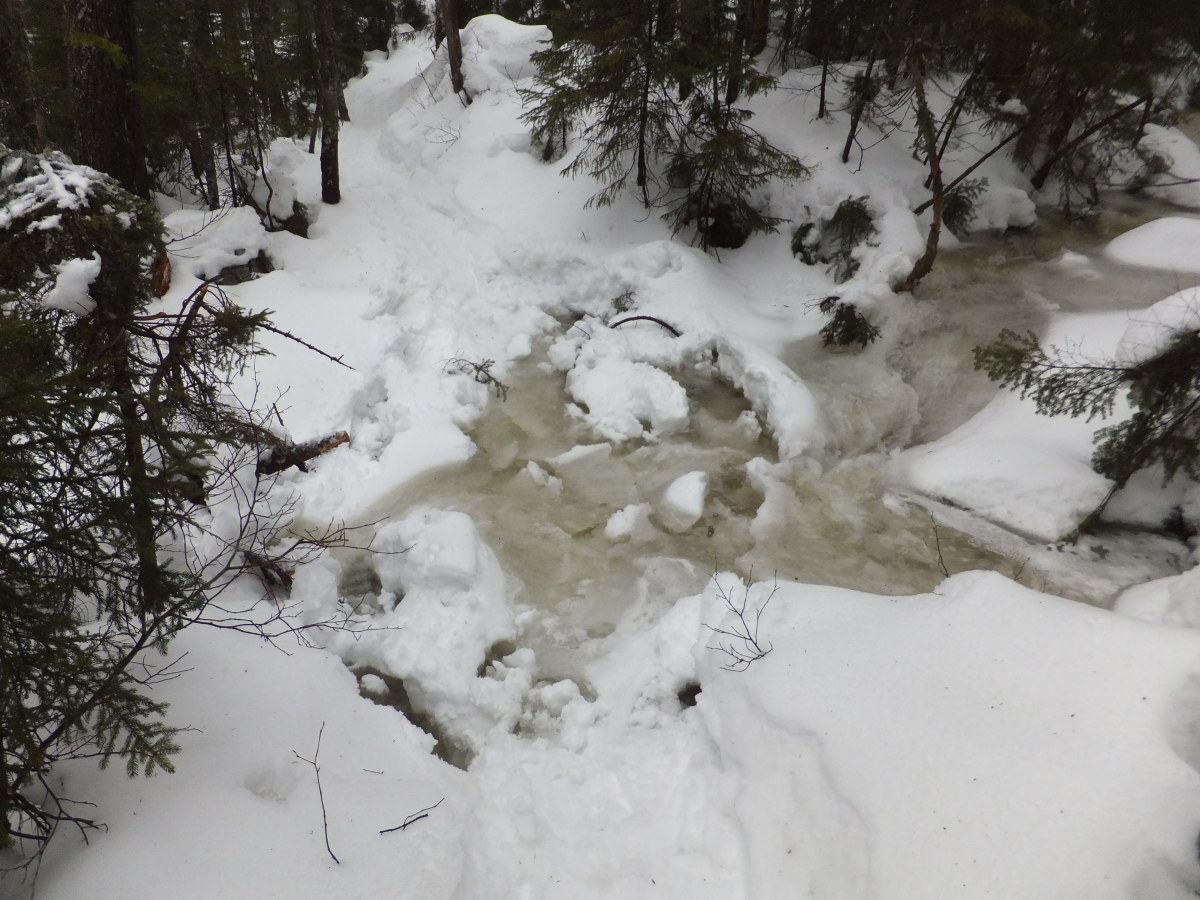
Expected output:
(860, 106)
(201, 139)
(927, 134)
(101, 70)
(330, 89)
(447, 11)
(21, 118)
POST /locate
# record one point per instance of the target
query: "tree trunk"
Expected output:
(21, 121)
(447, 11)
(101, 71)
(201, 138)
(264, 17)
(927, 133)
(860, 106)
(330, 88)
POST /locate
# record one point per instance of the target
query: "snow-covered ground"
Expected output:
(979, 740)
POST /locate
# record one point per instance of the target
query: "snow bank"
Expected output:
(1167, 243)
(1028, 472)
(1149, 333)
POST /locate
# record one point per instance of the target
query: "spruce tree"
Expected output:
(110, 419)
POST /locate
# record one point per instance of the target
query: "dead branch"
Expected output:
(937, 545)
(320, 793)
(269, 570)
(288, 455)
(657, 321)
(481, 372)
(415, 817)
(267, 326)
(740, 642)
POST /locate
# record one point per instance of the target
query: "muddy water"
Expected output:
(545, 504)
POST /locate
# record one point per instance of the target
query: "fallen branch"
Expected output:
(267, 326)
(671, 328)
(415, 817)
(320, 793)
(288, 455)
(269, 570)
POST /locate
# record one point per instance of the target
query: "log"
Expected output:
(288, 455)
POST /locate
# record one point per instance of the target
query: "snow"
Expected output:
(682, 503)
(1150, 332)
(981, 739)
(73, 279)
(1166, 243)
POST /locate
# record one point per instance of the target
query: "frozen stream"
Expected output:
(579, 526)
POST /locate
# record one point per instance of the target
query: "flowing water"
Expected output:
(544, 495)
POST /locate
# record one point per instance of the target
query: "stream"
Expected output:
(580, 529)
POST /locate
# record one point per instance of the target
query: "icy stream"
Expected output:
(581, 529)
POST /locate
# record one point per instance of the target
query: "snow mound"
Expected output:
(1028, 472)
(204, 243)
(496, 52)
(1167, 243)
(622, 400)
(1150, 332)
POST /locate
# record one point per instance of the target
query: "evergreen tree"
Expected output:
(611, 76)
(110, 419)
(651, 90)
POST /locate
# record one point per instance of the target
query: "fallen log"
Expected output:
(288, 455)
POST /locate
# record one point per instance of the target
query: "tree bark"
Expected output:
(330, 88)
(101, 71)
(21, 121)
(927, 133)
(447, 11)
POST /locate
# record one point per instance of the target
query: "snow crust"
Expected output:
(979, 740)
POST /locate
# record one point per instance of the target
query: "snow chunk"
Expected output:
(70, 291)
(632, 522)
(1149, 333)
(1028, 472)
(623, 400)
(1167, 243)
(682, 503)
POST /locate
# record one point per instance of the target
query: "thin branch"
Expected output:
(415, 817)
(320, 793)
(266, 326)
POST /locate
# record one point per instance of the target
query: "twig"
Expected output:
(415, 817)
(743, 646)
(937, 545)
(320, 793)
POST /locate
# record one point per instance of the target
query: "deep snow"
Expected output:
(979, 740)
